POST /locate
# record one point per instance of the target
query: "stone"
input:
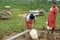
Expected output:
(4, 15)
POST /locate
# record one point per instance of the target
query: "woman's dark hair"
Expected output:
(32, 16)
(54, 2)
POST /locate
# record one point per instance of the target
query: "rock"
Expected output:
(41, 12)
(37, 12)
(4, 15)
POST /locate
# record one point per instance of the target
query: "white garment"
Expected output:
(28, 17)
(51, 8)
(49, 28)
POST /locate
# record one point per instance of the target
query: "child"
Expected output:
(29, 19)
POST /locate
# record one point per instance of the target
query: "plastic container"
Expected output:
(34, 34)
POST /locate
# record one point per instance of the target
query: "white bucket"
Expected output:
(33, 34)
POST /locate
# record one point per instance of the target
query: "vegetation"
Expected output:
(16, 23)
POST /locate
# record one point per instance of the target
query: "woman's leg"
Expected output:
(52, 30)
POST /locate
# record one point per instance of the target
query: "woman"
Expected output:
(52, 17)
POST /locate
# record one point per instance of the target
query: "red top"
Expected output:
(52, 17)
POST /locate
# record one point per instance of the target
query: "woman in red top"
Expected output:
(52, 16)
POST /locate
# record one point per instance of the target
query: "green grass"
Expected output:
(26, 6)
(17, 24)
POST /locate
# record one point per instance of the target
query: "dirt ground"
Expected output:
(43, 35)
(22, 15)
